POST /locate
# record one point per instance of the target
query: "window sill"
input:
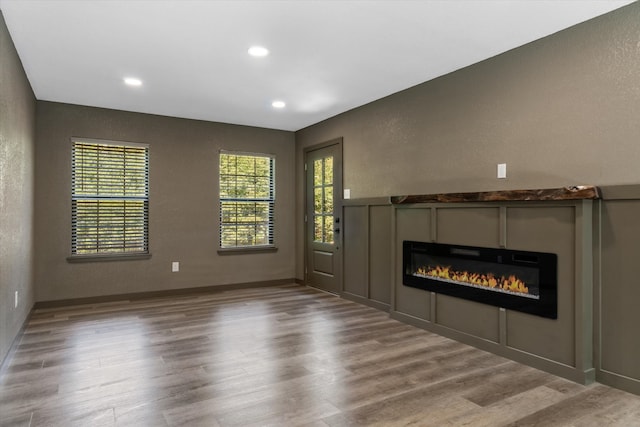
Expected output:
(246, 250)
(109, 257)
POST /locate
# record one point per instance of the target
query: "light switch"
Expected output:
(502, 170)
(175, 266)
(347, 193)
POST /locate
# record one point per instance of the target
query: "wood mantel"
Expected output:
(576, 192)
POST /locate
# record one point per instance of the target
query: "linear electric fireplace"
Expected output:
(511, 279)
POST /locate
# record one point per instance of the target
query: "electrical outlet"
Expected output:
(175, 266)
(15, 301)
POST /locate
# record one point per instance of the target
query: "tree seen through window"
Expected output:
(247, 198)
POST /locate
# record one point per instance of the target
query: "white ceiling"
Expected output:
(327, 56)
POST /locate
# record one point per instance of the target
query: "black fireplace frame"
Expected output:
(546, 305)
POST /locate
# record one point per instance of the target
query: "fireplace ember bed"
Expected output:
(512, 279)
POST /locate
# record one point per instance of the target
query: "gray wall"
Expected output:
(183, 204)
(17, 134)
(560, 111)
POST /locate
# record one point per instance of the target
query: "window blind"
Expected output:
(110, 198)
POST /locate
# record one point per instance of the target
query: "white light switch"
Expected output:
(347, 193)
(175, 266)
(502, 170)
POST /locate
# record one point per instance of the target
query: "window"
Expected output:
(323, 200)
(109, 198)
(247, 200)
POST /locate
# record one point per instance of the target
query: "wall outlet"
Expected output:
(15, 300)
(502, 170)
(175, 266)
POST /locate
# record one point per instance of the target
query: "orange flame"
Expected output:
(489, 280)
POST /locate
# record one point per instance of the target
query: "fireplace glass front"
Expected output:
(516, 280)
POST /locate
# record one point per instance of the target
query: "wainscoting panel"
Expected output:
(472, 227)
(468, 226)
(562, 346)
(411, 224)
(597, 243)
(478, 320)
(367, 248)
(618, 289)
(355, 250)
(546, 229)
(380, 271)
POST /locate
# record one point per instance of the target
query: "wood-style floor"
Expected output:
(281, 356)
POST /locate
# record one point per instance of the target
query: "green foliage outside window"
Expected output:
(247, 198)
(323, 200)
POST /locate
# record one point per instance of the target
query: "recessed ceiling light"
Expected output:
(132, 81)
(258, 51)
(278, 104)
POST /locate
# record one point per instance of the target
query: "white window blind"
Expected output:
(247, 199)
(109, 198)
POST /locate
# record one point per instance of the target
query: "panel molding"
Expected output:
(359, 240)
(579, 367)
(615, 288)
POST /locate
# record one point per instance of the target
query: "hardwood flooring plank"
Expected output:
(73, 416)
(425, 399)
(503, 388)
(19, 421)
(278, 412)
(378, 386)
(21, 399)
(580, 406)
(506, 410)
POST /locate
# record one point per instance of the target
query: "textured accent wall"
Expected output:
(17, 134)
(183, 206)
(560, 111)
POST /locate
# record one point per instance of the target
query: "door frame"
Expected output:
(337, 210)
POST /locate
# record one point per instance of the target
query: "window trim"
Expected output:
(270, 247)
(112, 256)
(108, 257)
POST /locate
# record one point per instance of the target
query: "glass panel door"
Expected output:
(323, 268)
(323, 200)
